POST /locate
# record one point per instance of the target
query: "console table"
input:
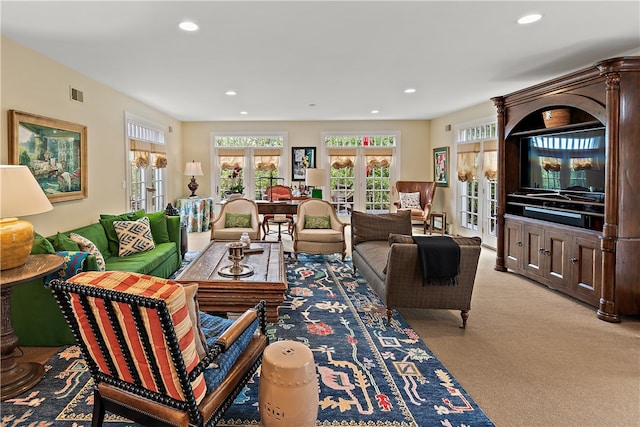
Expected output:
(196, 213)
(18, 377)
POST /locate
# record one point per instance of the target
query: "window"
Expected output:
(147, 165)
(361, 171)
(477, 167)
(250, 161)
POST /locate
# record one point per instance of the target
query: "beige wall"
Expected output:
(414, 153)
(34, 84)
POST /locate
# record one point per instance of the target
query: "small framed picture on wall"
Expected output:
(441, 166)
(301, 159)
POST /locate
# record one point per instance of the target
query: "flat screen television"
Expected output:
(570, 160)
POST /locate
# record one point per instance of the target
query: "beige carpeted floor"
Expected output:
(529, 356)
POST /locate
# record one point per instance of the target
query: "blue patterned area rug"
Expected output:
(369, 374)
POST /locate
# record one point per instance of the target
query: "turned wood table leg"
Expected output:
(15, 377)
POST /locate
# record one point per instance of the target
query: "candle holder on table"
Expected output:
(236, 254)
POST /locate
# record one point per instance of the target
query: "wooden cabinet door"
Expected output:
(513, 244)
(533, 256)
(556, 261)
(586, 268)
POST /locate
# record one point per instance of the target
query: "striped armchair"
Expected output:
(154, 358)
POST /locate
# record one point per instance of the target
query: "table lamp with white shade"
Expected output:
(316, 179)
(193, 169)
(20, 195)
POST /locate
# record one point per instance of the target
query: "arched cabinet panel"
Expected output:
(569, 185)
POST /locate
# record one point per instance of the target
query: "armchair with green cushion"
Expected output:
(37, 320)
(236, 217)
(318, 230)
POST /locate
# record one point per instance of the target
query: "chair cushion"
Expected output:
(134, 236)
(87, 245)
(148, 286)
(410, 200)
(213, 327)
(237, 220)
(323, 221)
(320, 235)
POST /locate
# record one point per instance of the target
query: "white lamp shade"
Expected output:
(316, 177)
(20, 193)
(193, 169)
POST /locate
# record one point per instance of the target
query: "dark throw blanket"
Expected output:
(440, 259)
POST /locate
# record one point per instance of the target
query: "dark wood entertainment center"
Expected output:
(584, 243)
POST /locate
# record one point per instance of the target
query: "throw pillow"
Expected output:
(134, 236)
(158, 222)
(62, 242)
(107, 223)
(317, 221)
(191, 295)
(87, 245)
(410, 201)
(41, 245)
(237, 220)
(399, 238)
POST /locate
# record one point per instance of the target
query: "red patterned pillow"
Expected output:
(133, 283)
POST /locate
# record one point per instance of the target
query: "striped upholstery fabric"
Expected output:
(174, 296)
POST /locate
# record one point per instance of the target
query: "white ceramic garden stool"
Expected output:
(288, 390)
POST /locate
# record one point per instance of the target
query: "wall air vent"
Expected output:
(77, 95)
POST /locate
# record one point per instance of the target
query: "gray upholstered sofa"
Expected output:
(385, 255)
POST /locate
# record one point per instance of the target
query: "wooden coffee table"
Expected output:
(220, 294)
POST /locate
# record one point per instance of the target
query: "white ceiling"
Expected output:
(347, 58)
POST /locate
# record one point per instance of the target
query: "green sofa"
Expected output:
(37, 320)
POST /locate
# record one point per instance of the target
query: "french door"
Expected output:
(361, 172)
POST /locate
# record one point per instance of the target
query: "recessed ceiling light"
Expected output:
(230, 93)
(188, 26)
(410, 90)
(528, 19)
(375, 111)
(244, 113)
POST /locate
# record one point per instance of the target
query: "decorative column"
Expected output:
(502, 198)
(607, 310)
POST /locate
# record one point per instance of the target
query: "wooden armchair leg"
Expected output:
(465, 315)
(98, 410)
(389, 315)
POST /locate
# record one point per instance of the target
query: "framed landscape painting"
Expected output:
(441, 166)
(301, 159)
(54, 150)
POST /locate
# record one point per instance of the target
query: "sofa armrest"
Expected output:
(403, 264)
(173, 227)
